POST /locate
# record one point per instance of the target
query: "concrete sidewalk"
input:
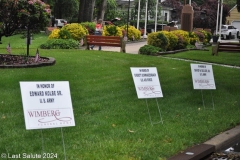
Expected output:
(131, 48)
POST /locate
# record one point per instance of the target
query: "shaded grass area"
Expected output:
(111, 122)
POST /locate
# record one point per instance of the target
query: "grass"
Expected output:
(111, 122)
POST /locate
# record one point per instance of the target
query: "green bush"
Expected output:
(183, 39)
(76, 30)
(64, 34)
(193, 38)
(149, 50)
(112, 30)
(158, 39)
(132, 32)
(207, 36)
(172, 38)
(90, 26)
(60, 44)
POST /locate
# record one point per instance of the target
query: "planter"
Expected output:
(215, 38)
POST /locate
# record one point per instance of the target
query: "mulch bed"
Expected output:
(22, 61)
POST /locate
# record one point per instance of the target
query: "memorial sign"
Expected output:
(146, 82)
(47, 104)
(202, 76)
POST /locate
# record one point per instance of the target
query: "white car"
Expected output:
(228, 31)
(60, 22)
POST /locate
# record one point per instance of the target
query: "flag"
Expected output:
(37, 56)
(9, 48)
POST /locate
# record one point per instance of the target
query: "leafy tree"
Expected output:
(238, 5)
(210, 8)
(86, 9)
(33, 14)
(65, 8)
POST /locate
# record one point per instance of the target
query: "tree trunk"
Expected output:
(88, 11)
(101, 9)
(81, 10)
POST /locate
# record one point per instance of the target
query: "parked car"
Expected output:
(227, 31)
(60, 22)
(151, 27)
(112, 22)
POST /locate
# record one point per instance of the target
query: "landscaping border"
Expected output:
(50, 61)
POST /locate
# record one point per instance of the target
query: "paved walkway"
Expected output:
(131, 48)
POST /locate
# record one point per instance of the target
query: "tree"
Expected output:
(32, 14)
(65, 8)
(86, 8)
(210, 8)
(238, 5)
(101, 7)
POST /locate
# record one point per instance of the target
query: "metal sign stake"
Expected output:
(158, 112)
(63, 144)
(203, 99)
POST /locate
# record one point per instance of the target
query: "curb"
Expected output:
(220, 142)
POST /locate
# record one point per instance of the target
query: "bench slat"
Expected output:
(114, 41)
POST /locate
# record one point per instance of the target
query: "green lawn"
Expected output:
(111, 122)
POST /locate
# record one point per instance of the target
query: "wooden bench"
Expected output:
(221, 46)
(114, 41)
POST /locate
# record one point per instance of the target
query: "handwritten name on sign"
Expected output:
(47, 104)
(146, 82)
(202, 76)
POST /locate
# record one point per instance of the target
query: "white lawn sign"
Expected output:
(202, 76)
(47, 104)
(146, 82)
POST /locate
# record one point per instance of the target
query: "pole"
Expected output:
(156, 16)
(138, 14)
(220, 25)
(145, 28)
(128, 16)
(217, 18)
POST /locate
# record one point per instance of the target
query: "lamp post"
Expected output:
(128, 18)
(138, 14)
(220, 25)
(203, 16)
(145, 28)
(217, 27)
(156, 16)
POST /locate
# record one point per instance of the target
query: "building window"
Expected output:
(165, 17)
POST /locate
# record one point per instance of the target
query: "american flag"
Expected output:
(9, 48)
(37, 56)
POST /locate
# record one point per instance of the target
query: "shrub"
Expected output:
(112, 30)
(193, 38)
(90, 26)
(172, 38)
(183, 39)
(64, 34)
(132, 32)
(207, 36)
(200, 35)
(60, 44)
(158, 39)
(54, 34)
(149, 50)
(76, 30)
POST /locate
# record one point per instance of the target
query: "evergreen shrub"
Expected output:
(149, 50)
(158, 39)
(60, 44)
